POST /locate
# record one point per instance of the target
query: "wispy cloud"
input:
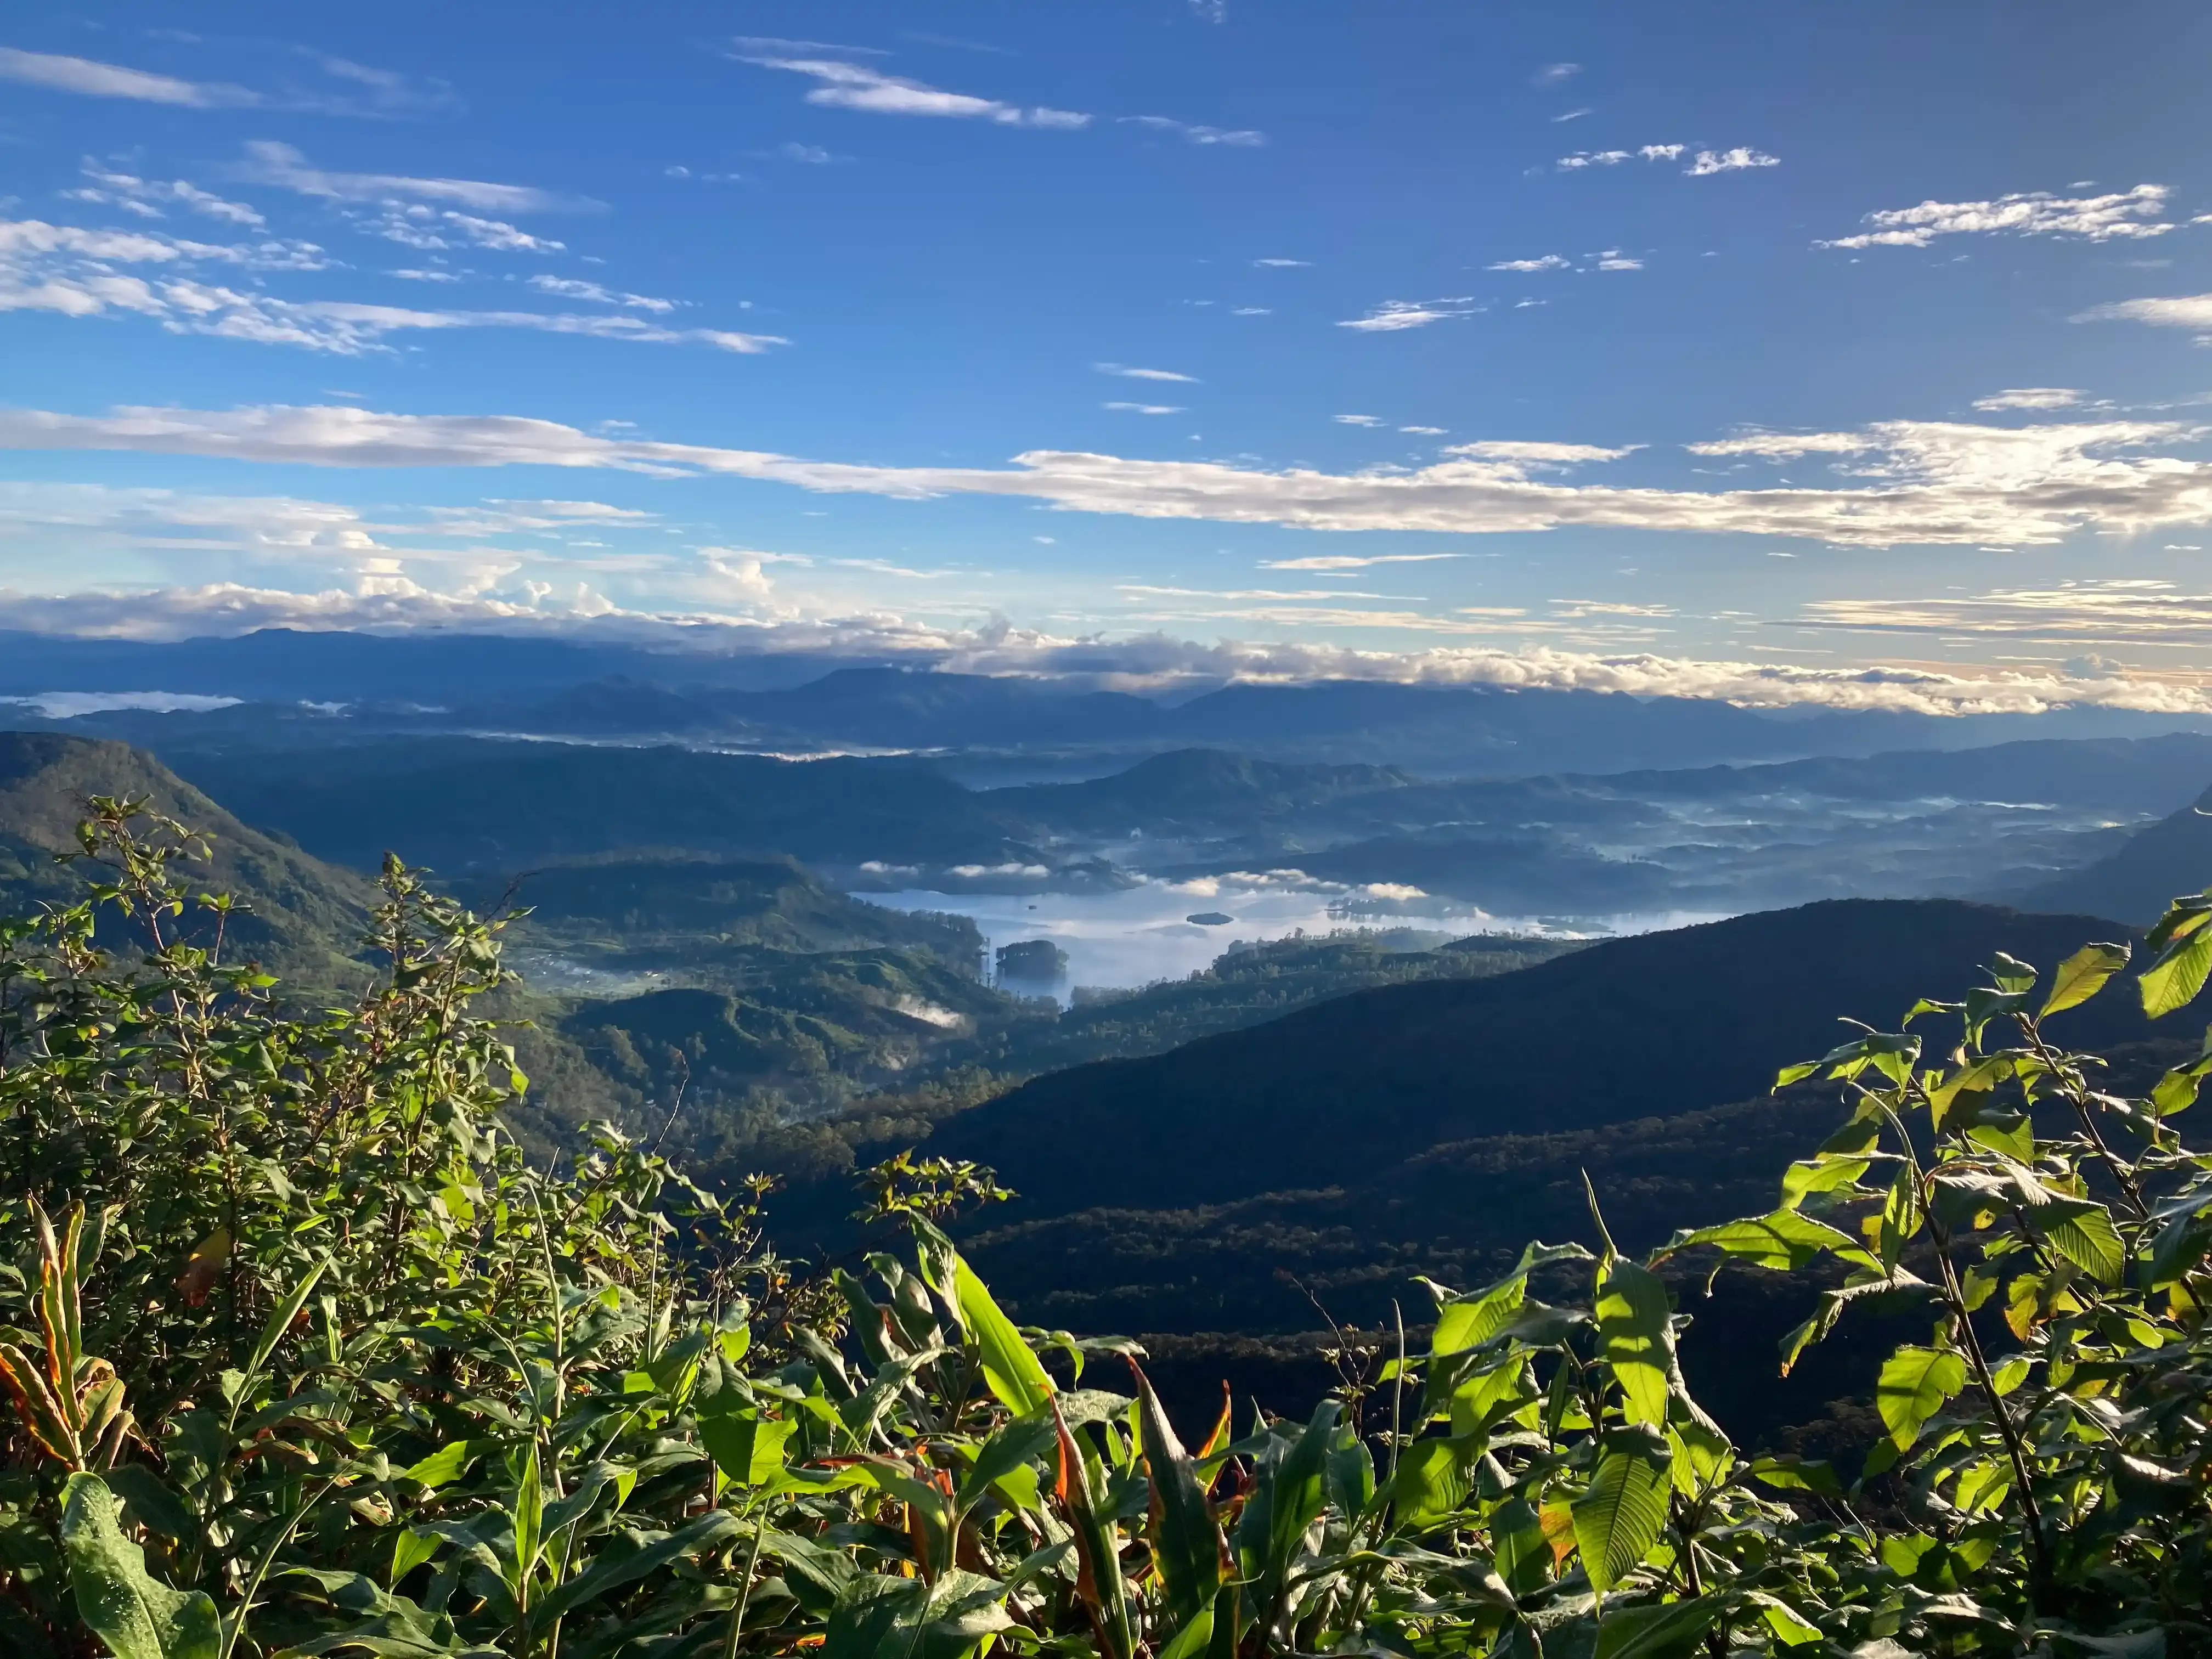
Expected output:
(1237, 139)
(73, 271)
(96, 80)
(571, 287)
(147, 197)
(1327, 562)
(1144, 409)
(857, 87)
(1572, 115)
(269, 162)
(413, 224)
(2030, 397)
(2122, 214)
(1392, 315)
(2181, 311)
(359, 90)
(1552, 75)
(1543, 262)
(1907, 482)
(1144, 373)
(1358, 419)
(1282, 264)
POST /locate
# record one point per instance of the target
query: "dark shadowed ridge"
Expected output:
(2171, 857)
(1633, 1028)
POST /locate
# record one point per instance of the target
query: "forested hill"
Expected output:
(1634, 1028)
(298, 915)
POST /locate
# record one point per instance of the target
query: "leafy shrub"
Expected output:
(306, 1359)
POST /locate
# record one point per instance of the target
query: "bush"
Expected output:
(306, 1359)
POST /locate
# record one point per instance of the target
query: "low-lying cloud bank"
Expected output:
(1896, 481)
(1144, 662)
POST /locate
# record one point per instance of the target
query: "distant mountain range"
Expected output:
(564, 689)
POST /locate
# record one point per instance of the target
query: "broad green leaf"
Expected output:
(2082, 975)
(1299, 1488)
(746, 1446)
(2174, 980)
(1618, 1519)
(1431, 1482)
(150, 1503)
(1914, 1386)
(138, 1616)
(1193, 1638)
(711, 1531)
(1636, 1335)
(1821, 1174)
(448, 1463)
(1011, 1368)
(1785, 1240)
(1099, 1580)
(1468, 1322)
(1789, 1626)
(1657, 1630)
(1187, 1543)
(1794, 1474)
(2083, 1233)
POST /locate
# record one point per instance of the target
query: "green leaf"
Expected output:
(1011, 1367)
(1187, 1542)
(1794, 1474)
(710, 1531)
(1636, 1334)
(1618, 1519)
(1655, 1630)
(2082, 975)
(1915, 1383)
(1468, 1322)
(1784, 1240)
(151, 1504)
(138, 1616)
(1432, 1481)
(448, 1463)
(410, 1550)
(280, 1321)
(2083, 1233)
(2178, 973)
(746, 1446)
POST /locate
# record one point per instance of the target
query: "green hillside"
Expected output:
(302, 917)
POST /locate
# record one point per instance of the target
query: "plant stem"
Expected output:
(744, 1590)
(2040, 1562)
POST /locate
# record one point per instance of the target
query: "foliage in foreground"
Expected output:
(304, 1358)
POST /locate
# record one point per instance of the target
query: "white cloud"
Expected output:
(1552, 74)
(2132, 611)
(811, 155)
(1144, 373)
(412, 224)
(1358, 420)
(147, 197)
(1703, 164)
(1613, 259)
(1545, 262)
(411, 275)
(1729, 160)
(1239, 138)
(363, 90)
(2183, 310)
(1426, 431)
(1283, 264)
(1144, 409)
(573, 288)
(1573, 115)
(857, 87)
(2030, 397)
(1324, 562)
(1395, 314)
(97, 80)
(1906, 482)
(2125, 214)
(1253, 311)
(271, 163)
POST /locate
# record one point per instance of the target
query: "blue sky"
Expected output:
(1720, 349)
